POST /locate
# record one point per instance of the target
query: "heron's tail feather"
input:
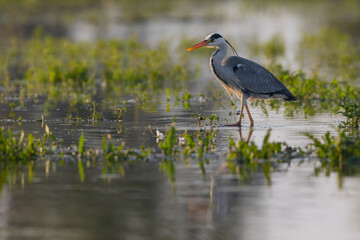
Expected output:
(290, 98)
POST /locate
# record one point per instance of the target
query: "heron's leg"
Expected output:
(250, 117)
(238, 123)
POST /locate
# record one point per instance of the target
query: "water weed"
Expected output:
(168, 144)
(341, 153)
(246, 159)
(352, 114)
(186, 100)
(18, 149)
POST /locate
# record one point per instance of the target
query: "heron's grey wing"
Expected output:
(252, 77)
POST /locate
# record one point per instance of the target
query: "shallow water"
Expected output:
(144, 203)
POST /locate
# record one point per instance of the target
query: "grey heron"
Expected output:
(242, 77)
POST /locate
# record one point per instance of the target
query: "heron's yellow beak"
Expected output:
(199, 45)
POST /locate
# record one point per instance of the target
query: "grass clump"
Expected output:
(116, 158)
(352, 114)
(194, 145)
(168, 146)
(17, 149)
(341, 153)
(246, 159)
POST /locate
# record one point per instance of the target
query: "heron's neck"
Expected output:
(219, 54)
(216, 60)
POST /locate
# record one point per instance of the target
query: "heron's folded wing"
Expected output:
(252, 77)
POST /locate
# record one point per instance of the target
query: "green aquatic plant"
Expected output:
(212, 118)
(341, 153)
(206, 142)
(81, 147)
(199, 118)
(12, 112)
(94, 115)
(17, 149)
(121, 112)
(186, 100)
(352, 114)
(81, 73)
(116, 158)
(190, 144)
(245, 158)
(168, 144)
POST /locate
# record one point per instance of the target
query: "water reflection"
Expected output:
(144, 205)
(250, 132)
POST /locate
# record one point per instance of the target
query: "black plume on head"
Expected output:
(215, 36)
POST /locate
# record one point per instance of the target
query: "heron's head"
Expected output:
(211, 40)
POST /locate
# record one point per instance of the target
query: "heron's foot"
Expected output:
(238, 124)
